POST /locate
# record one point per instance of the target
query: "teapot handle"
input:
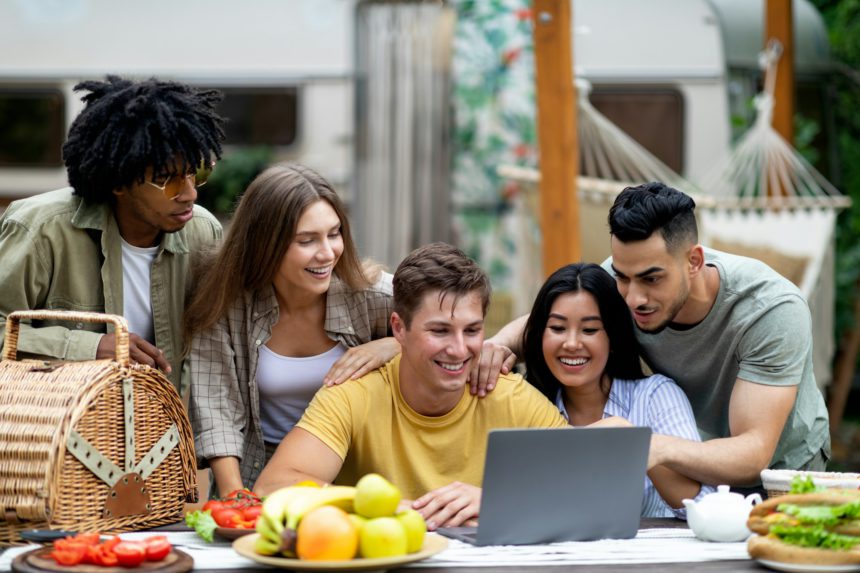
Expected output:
(753, 498)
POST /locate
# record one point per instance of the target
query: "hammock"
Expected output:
(738, 211)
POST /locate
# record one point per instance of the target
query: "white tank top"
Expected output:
(287, 385)
(136, 300)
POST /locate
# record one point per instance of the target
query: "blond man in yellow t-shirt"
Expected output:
(414, 420)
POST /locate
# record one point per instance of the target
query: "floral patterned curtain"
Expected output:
(494, 123)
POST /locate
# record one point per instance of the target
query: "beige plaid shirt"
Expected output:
(225, 401)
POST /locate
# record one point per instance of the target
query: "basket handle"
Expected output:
(10, 349)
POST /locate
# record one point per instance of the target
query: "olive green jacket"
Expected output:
(61, 253)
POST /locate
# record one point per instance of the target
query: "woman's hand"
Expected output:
(359, 360)
(495, 359)
(449, 506)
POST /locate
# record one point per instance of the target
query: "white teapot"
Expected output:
(721, 516)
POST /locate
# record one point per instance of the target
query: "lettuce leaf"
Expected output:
(202, 523)
(815, 536)
(804, 484)
(821, 514)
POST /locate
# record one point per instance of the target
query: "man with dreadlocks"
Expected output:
(120, 238)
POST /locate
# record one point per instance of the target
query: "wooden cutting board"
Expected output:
(38, 561)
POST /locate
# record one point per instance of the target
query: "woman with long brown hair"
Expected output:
(282, 308)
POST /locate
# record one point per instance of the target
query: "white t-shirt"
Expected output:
(136, 298)
(287, 385)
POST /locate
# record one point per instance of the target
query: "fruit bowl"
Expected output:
(433, 544)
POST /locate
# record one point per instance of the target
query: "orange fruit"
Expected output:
(326, 534)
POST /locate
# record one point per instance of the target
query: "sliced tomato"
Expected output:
(130, 553)
(157, 547)
(103, 555)
(70, 556)
(112, 542)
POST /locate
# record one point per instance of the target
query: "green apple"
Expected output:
(357, 521)
(415, 528)
(382, 537)
(375, 496)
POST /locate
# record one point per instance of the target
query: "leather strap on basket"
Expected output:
(93, 460)
(10, 348)
(105, 469)
(128, 418)
(158, 452)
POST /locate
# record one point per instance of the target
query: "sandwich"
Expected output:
(819, 527)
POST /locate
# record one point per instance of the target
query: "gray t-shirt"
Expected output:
(759, 330)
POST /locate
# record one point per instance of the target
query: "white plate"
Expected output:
(807, 568)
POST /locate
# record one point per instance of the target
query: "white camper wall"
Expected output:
(676, 43)
(259, 43)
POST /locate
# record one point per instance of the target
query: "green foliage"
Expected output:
(231, 177)
(843, 23)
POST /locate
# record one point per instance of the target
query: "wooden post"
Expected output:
(778, 25)
(556, 123)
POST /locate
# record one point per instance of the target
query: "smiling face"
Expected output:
(310, 259)
(143, 212)
(439, 346)
(575, 344)
(653, 281)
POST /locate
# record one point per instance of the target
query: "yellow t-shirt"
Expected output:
(370, 426)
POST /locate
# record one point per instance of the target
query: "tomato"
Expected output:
(70, 556)
(251, 513)
(157, 547)
(213, 504)
(103, 555)
(130, 553)
(86, 538)
(227, 516)
(112, 542)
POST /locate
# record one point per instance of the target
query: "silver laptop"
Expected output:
(546, 485)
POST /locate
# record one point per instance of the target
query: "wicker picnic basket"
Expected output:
(98, 445)
(778, 482)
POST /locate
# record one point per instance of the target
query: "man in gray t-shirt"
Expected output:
(734, 334)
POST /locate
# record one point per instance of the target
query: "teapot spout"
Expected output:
(688, 503)
(753, 498)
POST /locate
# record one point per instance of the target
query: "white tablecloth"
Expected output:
(649, 546)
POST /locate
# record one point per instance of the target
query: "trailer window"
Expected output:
(32, 124)
(653, 116)
(260, 116)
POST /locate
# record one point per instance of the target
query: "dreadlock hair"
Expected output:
(127, 127)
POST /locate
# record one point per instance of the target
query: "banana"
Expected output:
(341, 496)
(265, 546)
(274, 506)
(269, 530)
(283, 510)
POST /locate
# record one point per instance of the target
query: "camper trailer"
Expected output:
(285, 67)
(676, 84)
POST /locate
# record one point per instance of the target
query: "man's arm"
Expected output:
(23, 257)
(511, 335)
(757, 415)
(300, 456)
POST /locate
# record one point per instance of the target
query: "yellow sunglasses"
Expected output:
(171, 185)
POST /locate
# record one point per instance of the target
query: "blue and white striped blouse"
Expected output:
(658, 403)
